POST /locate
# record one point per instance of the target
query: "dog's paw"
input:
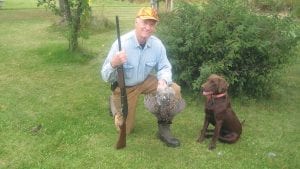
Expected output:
(211, 146)
(200, 139)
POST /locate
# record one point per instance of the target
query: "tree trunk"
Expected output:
(76, 27)
(67, 11)
(73, 27)
(74, 22)
(62, 7)
(62, 11)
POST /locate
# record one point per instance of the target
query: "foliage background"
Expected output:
(225, 37)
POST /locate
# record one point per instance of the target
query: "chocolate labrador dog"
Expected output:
(219, 113)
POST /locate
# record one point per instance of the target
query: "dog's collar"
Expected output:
(219, 95)
(210, 94)
(212, 97)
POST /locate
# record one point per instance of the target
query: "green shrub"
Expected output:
(272, 5)
(224, 37)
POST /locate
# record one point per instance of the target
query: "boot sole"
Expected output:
(167, 143)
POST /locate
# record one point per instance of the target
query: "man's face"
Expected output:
(144, 28)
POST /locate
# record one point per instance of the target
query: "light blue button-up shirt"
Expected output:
(140, 61)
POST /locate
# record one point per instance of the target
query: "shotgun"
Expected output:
(121, 143)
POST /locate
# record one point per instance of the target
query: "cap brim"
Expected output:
(148, 17)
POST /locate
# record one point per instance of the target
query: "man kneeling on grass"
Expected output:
(143, 54)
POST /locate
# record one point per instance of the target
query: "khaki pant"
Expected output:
(148, 86)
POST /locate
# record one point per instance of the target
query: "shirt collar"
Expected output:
(148, 42)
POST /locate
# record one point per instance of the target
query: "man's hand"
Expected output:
(118, 59)
(162, 84)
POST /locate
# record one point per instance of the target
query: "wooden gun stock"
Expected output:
(121, 143)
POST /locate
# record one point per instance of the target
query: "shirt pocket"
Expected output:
(149, 66)
(128, 70)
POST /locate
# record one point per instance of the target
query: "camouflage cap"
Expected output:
(148, 13)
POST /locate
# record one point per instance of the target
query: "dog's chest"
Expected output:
(210, 115)
(216, 104)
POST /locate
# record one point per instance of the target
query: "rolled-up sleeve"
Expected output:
(164, 68)
(108, 73)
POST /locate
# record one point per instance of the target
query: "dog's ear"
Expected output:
(223, 85)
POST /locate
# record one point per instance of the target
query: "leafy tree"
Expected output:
(75, 12)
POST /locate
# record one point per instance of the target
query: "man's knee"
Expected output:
(119, 120)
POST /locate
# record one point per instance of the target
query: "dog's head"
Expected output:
(214, 85)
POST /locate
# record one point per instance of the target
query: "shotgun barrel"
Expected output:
(121, 143)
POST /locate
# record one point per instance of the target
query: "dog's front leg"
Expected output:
(216, 135)
(202, 132)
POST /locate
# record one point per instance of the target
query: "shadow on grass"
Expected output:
(59, 54)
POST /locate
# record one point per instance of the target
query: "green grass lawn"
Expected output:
(42, 84)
